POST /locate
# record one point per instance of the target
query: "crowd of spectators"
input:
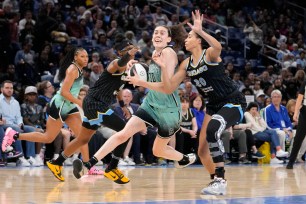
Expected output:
(35, 35)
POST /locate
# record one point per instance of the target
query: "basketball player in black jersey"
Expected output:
(226, 103)
(97, 111)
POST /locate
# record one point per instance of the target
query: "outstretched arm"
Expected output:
(215, 48)
(169, 81)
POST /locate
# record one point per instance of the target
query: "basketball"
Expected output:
(141, 69)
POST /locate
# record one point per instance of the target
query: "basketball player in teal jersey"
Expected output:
(62, 107)
(226, 103)
(158, 109)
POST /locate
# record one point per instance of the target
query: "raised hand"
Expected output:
(197, 18)
(157, 59)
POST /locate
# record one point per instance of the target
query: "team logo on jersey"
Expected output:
(197, 71)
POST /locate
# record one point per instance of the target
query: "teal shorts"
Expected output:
(166, 120)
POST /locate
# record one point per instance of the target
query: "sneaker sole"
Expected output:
(77, 168)
(212, 193)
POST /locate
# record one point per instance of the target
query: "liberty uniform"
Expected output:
(159, 109)
(59, 107)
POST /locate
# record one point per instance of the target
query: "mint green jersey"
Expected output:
(60, 102)
(157, 99)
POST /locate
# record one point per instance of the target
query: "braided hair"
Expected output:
(67, 60)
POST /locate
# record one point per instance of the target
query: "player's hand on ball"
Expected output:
(130, 64)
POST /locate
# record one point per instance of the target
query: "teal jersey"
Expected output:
(157, 99)
(74, 90)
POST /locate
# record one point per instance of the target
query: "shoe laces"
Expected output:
(215, 182)
(118, 172)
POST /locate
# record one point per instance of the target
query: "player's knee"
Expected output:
(215, 128)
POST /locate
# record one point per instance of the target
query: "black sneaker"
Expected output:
(289, 165)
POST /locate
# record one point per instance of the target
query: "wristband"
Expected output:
(121, 103)
(124, 60)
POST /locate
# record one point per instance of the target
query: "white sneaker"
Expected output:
(192, 159)
(39, 160)
(68, 161)
(276, 161)
(22, 162)
(100, 163)
(122, 163)
(281, 153)
(216, 187)
(55, 156)
(33, 162)
(129, 161)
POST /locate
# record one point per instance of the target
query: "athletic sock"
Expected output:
(113, 163)
(92, 161)
(220, 172)
(16, 136)
(60, 160)
(184, 160)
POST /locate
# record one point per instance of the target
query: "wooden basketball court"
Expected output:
(246, 184)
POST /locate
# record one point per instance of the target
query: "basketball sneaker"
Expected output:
(79, 169)
(216, 187)
(116, 175)
(192, 158)
(95, 171)
(56, 170)
(8, 138)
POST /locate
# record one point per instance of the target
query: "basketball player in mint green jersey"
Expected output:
(62, 107)
(158, 109)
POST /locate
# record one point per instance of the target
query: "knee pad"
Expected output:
(215, 128)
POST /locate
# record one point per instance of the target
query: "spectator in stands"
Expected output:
(142, 41)
(260, 97)
(25, 62)
(237, 81)
(159, 18)
(96, 71)
(277, 118)
(98, 29)
(255, 35)
(114, 30)
(74, 29)
(10, 110)
(197, 105)
(301, 61)
(28, 17)
(33, 116)
(261, 133)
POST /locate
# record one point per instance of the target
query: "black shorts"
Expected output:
(236, 99)
(97, 113)
(63, 111)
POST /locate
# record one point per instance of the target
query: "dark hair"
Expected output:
(41, 86)
(66, 61)
(121, 42)
(184, 99)
(180, 35)
(193, 98)
(204, 44)
(6, 81)
(252, 105)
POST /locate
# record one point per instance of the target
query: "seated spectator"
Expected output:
(240, 137)
(11, 115)
(277, 118)
(261, 133)
(186, 139)
(33, 116)
(197, 105)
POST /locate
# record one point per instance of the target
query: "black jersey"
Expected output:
(106, 87)
(187, 119)
(210, 79)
